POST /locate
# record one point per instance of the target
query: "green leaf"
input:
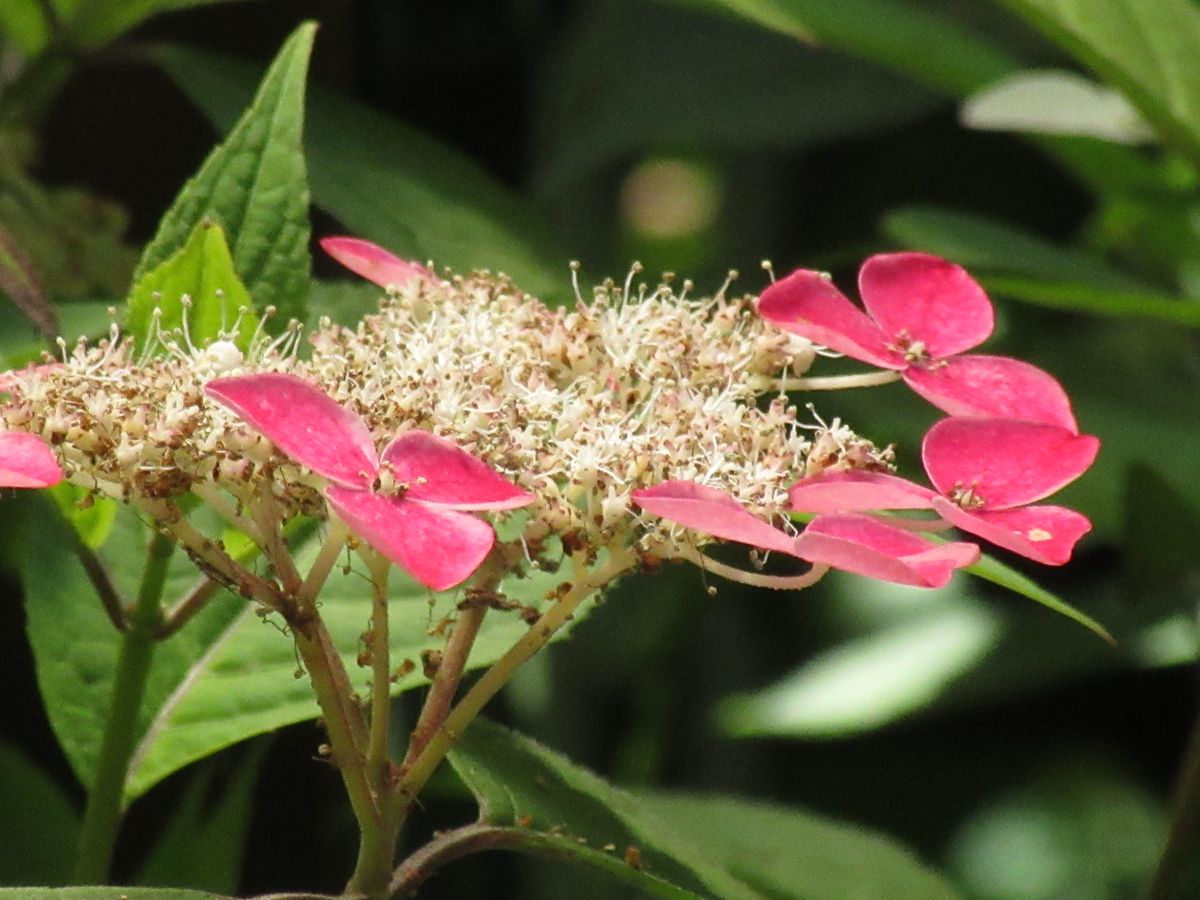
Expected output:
(870, 681)
(224, 677)
(254, 186)
(1024, 266)
(536, 801)
(1117, 304)
(1055, 101)
(73, 239)
(93, 23)
(784, 95)
(1161, 525)
(793, 854)
(91, 517)
(929, 47)
(990, 245)
(29, 796)
(390, 183)
(203, 843)
(344, 302)
(24, 23)
(990, 569)
(1083, 824)
(203, 272)
(1145, 49)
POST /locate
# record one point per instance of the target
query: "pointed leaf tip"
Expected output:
(255, 185)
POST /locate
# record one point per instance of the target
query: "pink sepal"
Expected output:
(436, 471)
(855, 491)
(1046, 534)
(372, 262)
(26, 461)
(304, 422)
(712, 512)
(993, 386)
(439, 547)
(806, 303)
(927, 299)
(1004, 462)
(866, 546)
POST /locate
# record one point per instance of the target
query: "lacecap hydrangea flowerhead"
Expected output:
(644, 423)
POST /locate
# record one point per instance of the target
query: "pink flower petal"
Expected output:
(1046, 534)
(304, 422)
(806, 303)
(26, 461)
(929, 299)
(438, 547)
(439, 472)
(372, 262)
(712, 512)
(833, 492)
(867, 546)
(1004, 462)
(993, 386)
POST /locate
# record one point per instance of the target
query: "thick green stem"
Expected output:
(104, 804)
(343, 717)
(348, 738)
(377, 837)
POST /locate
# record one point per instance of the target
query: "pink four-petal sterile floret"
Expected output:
(853, 543)
(922, 312)
(420, 521)
(985, 472)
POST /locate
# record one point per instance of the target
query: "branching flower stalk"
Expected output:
(633, 429)
(585, 582)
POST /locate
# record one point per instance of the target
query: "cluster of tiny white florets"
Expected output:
(580, 406)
